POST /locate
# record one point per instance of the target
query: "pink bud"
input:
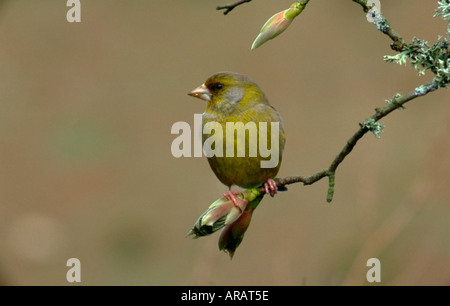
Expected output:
(232, 235)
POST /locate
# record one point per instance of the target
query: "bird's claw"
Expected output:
(270, 187)
(232, 195)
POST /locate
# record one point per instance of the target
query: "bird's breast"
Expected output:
(237, 148)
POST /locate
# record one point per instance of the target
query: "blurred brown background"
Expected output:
(87, 171)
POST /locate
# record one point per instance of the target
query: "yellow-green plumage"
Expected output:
(239, 99)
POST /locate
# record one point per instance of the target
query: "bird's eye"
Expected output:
(217, 86)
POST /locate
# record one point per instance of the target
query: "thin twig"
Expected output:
(229, 7)
(383, 25)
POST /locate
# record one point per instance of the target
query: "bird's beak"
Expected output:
(201, 92)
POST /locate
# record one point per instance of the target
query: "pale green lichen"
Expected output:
(443, 10)
(424, 56)
(423, 90)
(375, 127)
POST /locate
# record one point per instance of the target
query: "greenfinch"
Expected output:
(234, 98)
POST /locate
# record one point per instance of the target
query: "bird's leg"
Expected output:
(270, 187)
(240, 203)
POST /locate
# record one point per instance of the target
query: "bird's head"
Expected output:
(229, 92)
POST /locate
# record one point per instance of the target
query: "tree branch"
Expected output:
(370, 124)
(229, 7)
(442, 79)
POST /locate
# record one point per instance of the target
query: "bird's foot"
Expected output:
(233, 196)
(270, 187)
